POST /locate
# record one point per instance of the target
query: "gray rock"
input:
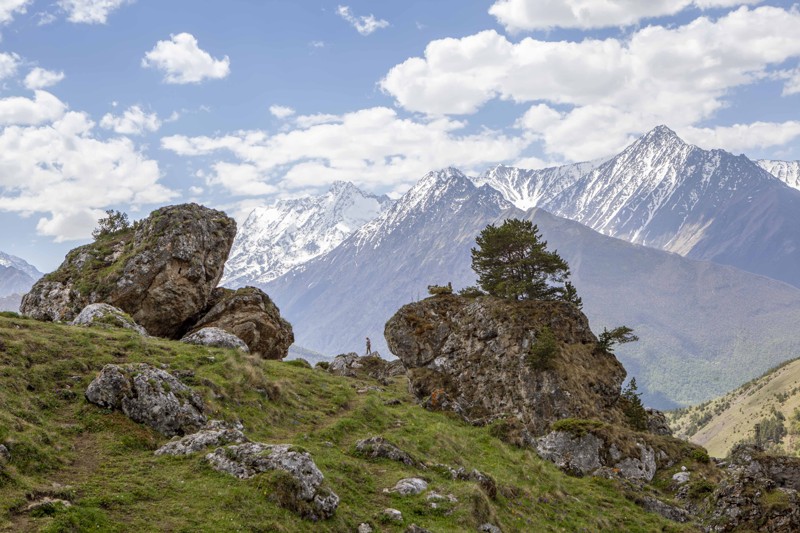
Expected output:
(5, 455)
(108, 316)
(414, 528)
(490, 528)
(410, 486)
(364, 528)
(393, 514)
(216, 433)
(217, 338)
(378, 447)
(681, 477)
(45, 502)
(373, 366)
(244, 461)
(670, 512)
(657, 423)
(149, 396)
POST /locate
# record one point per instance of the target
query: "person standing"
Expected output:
(369, 346)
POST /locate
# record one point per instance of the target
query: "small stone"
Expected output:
(410, 486)
(216, 338)
(378, 447)
(364, 528)
(683, 469)
(414, 528)
(106, 315)
(5, 455)
(490, 528)
(393, 514)
(45, 502)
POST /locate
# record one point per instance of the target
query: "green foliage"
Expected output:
(436, 290)
(577, 426)
(570, 295)
(113, 222)
(700, 455)
(618, 335)
(769, 431)
(699, 489)
(471, 292)
(632, 406)
(512, 261)
(543, 351)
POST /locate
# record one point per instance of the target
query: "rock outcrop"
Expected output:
(352, 365)
(215, 433)
(105, 315)
(149, 396)
(304, 495)
(476, 356)
(251, 315)
(379, 448)
(216, 338)
(161, 272)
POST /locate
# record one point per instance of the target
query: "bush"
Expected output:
(543, 351)
(436, 290)
(113, 222)
(471, 292)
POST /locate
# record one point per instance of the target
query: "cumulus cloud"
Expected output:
(9, 8)
(281, 111)
(134, 121)
(521, 15)
(792, 84)
(9, 63)
(51, 165)
(363, 25)
(743, 137)
(40, 78)
(90, 11)
(609, 89)
(373, 147)
(182, 61)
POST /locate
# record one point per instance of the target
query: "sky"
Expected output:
(136, 104)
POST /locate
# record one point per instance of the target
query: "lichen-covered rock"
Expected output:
(216, 433)
(373, 366)
(587, 453)
(378, 447)
(306, 495)
(410, 486)
(217, 338)
(476, 356)
(251, 315)
(149, 396)
(105, 315)
(392, 515)
(657, 423)
(161, 272)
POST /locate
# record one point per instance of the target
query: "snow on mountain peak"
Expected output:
(786, 171)
(278, 237)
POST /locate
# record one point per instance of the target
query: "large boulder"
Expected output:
(352, 365)
(161, 271)
(150, 396)
(304, 492)
(104, 315)
(249, 314)
(216, 338)
(476, 356)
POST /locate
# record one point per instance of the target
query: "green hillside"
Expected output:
(103, 463)
(771, 402)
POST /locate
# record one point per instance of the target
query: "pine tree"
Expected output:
(512, 261)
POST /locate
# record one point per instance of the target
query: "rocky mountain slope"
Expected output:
(288, 233)
(704, 328)
(69, 465)
(707, 205)
(771, 401)
(786, 171)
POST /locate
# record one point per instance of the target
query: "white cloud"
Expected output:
(182, 61)
(90, 11)
(609, 90)
(307, 121)
(743, 137)
(792, 84)
(134, 121)
(8, 65)
(281, 111)
(374, 147)
(363, 25)
(40, 78)
(521, 15)
(9, 8)
(23, 111)
(317, 44)
(59, 169)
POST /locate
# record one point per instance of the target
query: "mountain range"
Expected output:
(17, 276)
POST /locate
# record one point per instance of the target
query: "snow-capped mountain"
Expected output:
(17, 276)
(705, 204)
(531, 188)
(786, 171)
(723, 314)
(288, 233)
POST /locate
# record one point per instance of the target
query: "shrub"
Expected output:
(113, 222)
(543, 351)
(436, 290)
(471, 292)
(632, 407)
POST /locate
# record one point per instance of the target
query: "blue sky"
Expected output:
(133, 104)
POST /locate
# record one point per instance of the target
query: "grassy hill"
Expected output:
(771, 402)
(103, 463)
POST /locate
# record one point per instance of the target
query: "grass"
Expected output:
(103, 463)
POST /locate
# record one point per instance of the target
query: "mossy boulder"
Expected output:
(161, 271)
(250, 315)
(472, 356)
